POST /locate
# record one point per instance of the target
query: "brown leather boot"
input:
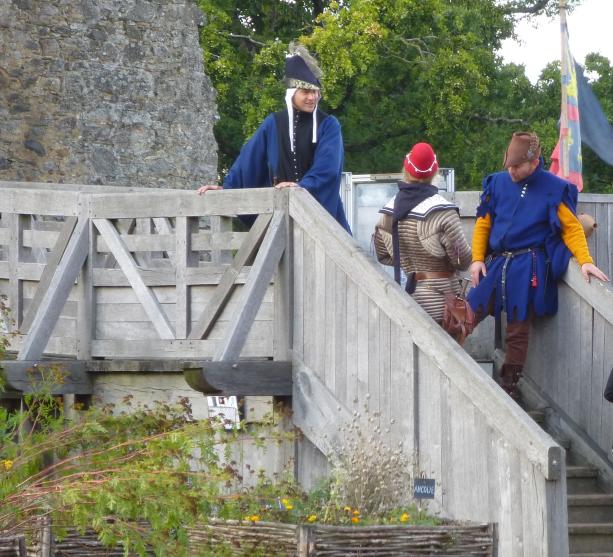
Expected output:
(510, 374)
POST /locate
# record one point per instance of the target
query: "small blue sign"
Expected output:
(423, 488)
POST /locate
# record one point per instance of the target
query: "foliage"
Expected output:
(141, 479)
(395, 72)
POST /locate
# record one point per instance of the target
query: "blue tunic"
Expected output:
(258, 162)
(523, 215)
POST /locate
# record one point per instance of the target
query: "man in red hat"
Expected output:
(420, 231)
(525, 234)
(300, 146)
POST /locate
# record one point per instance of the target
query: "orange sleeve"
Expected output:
(481, 237)
(573, 235)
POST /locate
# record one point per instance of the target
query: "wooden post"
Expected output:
(306, 540)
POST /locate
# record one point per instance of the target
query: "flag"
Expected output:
(566, 157)
(596, 131)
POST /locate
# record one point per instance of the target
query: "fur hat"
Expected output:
(524, 147)
(301, 69)
(420, 161)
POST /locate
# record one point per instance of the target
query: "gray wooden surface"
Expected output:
(364, 350)
(359, 339)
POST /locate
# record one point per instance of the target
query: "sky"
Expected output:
(589, 28)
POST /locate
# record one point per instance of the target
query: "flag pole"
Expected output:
(564, 143)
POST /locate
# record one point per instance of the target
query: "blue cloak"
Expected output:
(258, 162)
(523, 215)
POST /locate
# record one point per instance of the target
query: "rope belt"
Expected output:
(508, 255)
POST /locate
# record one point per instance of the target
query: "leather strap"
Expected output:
(425, 275)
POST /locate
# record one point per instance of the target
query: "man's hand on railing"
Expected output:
(588, 269)
(282, 185)
(477, 268)
(204, 189)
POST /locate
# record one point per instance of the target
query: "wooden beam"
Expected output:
(240, 378)
(184, 258)
(316, 410)
(144, 294)
(52, 262)
(15, 255)
(227, 283)
(252, 293)
(56, 295)
(61, 376)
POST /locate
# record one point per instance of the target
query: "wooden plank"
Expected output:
(184, 258)
(600, 368)
(362, 348)
(53, 261)
(308, 307)
(144, 330)
(385, 377)
(172, 203)
(298, 298)
(56, 295)
(30, 376)
(39, 239)
(316, 411)
(403, 394)
(597, 294)
(283, 293)
(351, 390)
(15, 254)
(373, 359)
(251, 296)
(240, 378)
(173, 348)
(128, 266)
(227, 282)
(340, 329)
(317, 298)
(585, 366)
(34, 201)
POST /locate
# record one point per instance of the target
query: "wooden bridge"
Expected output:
(144, 282)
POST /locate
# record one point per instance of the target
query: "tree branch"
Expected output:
(246, 38)
(499, 119)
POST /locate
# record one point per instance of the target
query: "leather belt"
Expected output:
(425, 275)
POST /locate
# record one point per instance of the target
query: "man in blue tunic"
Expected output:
(525, 234)
(300, 146)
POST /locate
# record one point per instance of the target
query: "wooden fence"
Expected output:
(96, 272)
(359, 342)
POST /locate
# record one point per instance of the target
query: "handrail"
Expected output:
(595, 293)
(498, 410)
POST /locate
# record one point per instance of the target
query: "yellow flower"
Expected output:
(405, 517)
(312, 518)
(347, 509)
(8, 464)
(289, 507)
(355, 519)
(356, 513)
(287, 504)
(254, 518)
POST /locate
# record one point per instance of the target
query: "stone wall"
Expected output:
(105, 92)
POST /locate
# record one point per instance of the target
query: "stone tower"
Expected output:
(105, 92)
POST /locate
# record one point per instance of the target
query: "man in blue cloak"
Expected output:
(300, 146)
(525, 234)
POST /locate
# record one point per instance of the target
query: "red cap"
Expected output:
(420, 161)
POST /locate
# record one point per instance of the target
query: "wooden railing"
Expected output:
(99, 272)
(107, 273)
(569, 361)
(359, 341)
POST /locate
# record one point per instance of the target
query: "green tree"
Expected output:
(395, 72)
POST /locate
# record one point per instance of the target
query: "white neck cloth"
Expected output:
(289, 95)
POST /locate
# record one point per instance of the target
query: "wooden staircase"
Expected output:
(590, 507)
